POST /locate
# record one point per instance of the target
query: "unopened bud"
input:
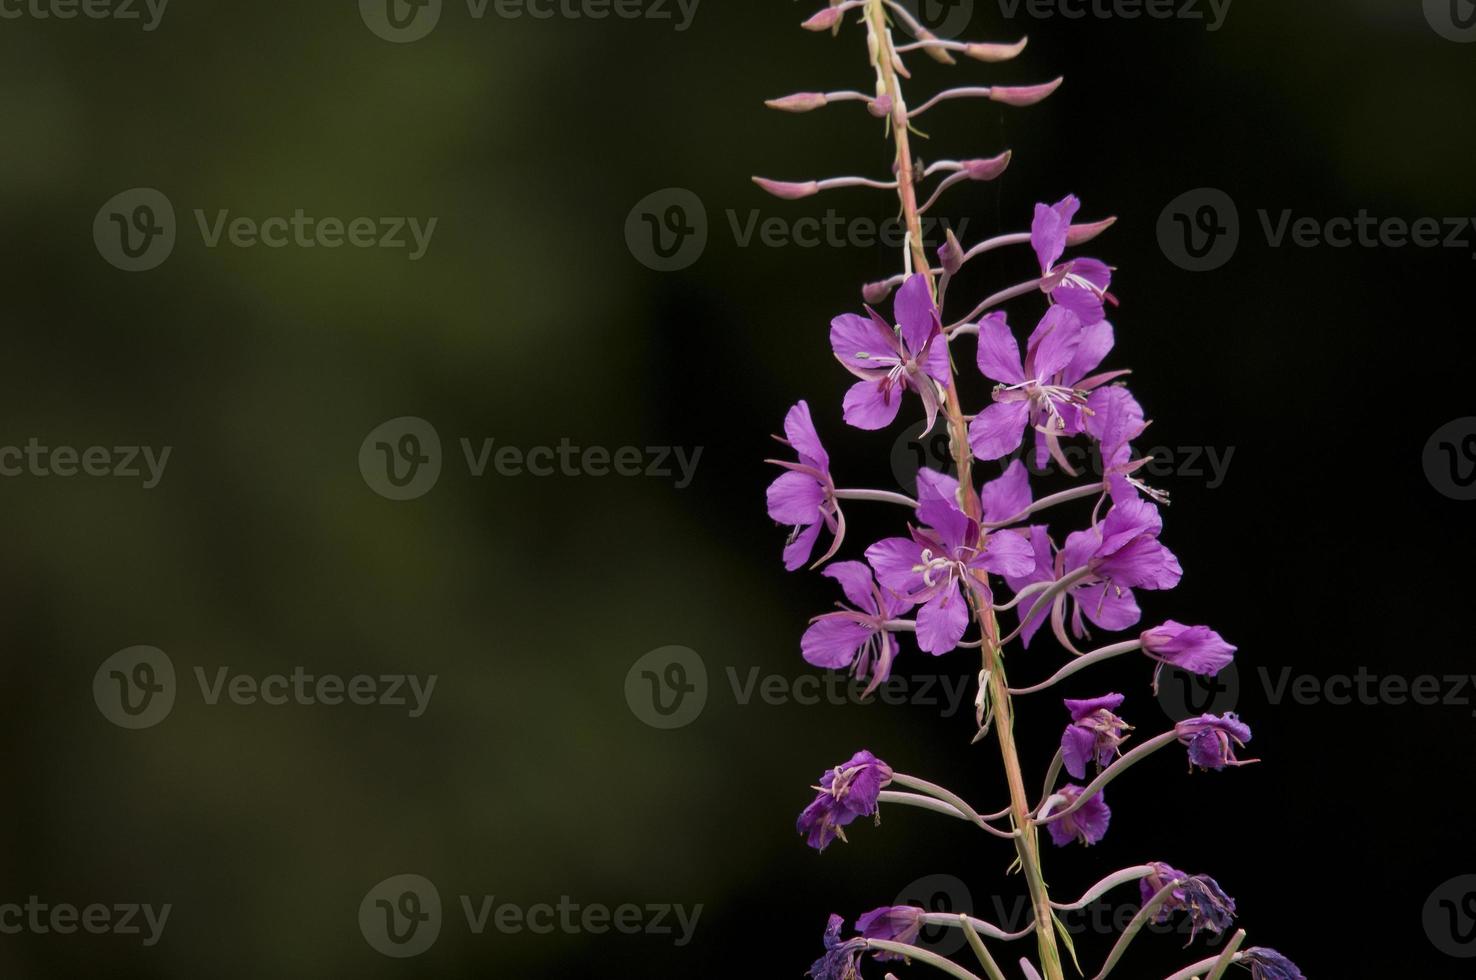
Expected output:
(875, 293)
(1081, 234)
(950, 254)
(799, 102)
(995, 52)
(987, 169)
(1021, 95)
(788, 191)
(824, 20)
(880, 107)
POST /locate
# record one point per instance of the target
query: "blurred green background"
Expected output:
(529, 320)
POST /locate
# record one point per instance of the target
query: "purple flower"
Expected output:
(1212, 740)
(842, 958)
(1093, 735)
(1199, 895)
(856, 637)
(1114, 418)
(1197, 649)
(1028, 392)
(939, 560)
(1267, 964)
(1118, 555)
(1087, 824)
(804, 497)
(1046, 570)
(891, 923)
(913, 356)
(1079, 285)
(846, 792)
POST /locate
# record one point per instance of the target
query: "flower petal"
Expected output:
(872, 405)
(999, 429)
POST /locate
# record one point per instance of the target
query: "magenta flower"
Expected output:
(856, 637)
(1212, 740)
(1094, 735)
(891, 923)
(1046, 570)
(1087, 824)
(1079, 285)
(1114, 418)
(1114, 557)
(943, 558)
(912, 356)
(1028, 392)
(804, 497)
(1267, 964)
(846, 792)
(842, 959)
(1197, 649)
(1199, 895)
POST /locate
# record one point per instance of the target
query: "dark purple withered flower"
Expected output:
(804, 497)
(857, 637)
(892, 923)
(1197, 649)
(1094, 735)
(941, 559)
(912, 356)
(1212, 740)
(842, 957)
(1080, 285)
(1267, 964)
(1199, 895)
(846, 792)
(1087, 824)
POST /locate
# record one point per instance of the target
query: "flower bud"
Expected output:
(824, 20)
(995, 52)
(788, 191)
(799, 102)
(987, 169)
(876, 292)
(1022, 95)
(880, 107)
(1081, 234)
(950, 254)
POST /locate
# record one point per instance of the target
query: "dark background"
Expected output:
(529, 320)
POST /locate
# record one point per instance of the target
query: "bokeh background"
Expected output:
(530, 320)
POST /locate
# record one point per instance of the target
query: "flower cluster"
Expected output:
(979, 565)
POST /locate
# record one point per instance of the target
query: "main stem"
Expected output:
(1027, 844)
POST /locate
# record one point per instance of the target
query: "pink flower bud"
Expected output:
(788, 191)
(824, 20)
(1023, 94)
(950, 254)
(995, 52)
(987, 169)
(875, 293)
(799, 102)
(1081, 234)
(880, 107)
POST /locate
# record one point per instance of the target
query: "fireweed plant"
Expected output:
(977, 567)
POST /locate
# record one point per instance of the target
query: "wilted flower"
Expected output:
(846, 792)
(1212, 740)
(893, 923)
(1199, 895)
(1197, 649)
(842, 957)
(1087, 824)
(1267, 964)
(1093, 735)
